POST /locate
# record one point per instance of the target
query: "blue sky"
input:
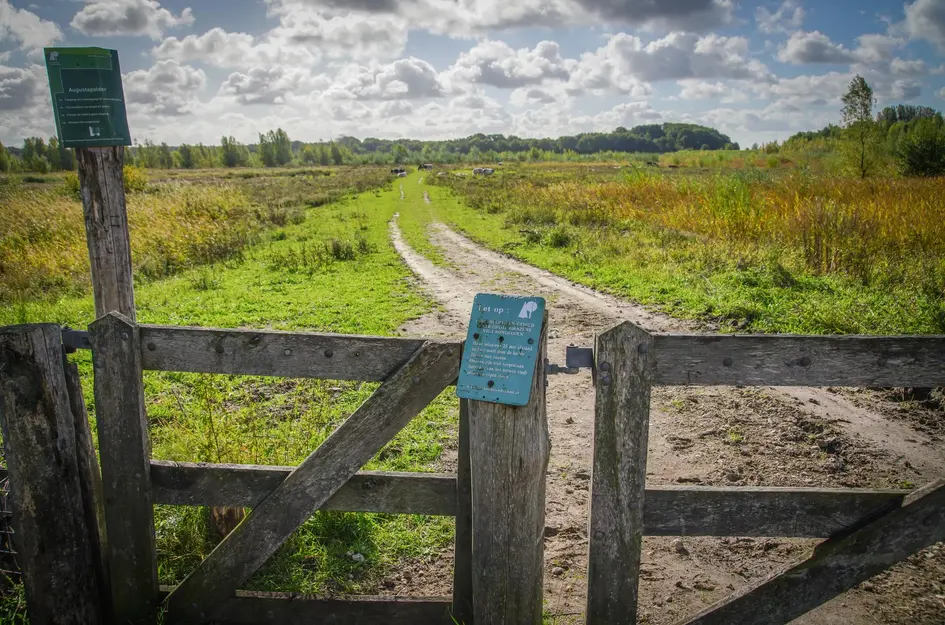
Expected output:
(197, 70)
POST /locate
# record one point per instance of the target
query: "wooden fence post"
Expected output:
(509, 449)
(90, 481)
(125, 450)
(462, 552)
(53, 540)
(621, 423)
(102, 188)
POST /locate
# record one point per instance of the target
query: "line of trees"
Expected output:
(276, 149)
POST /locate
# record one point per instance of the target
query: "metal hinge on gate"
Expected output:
(75, 339)
(575, 358)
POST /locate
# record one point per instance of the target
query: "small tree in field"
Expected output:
(861, 139)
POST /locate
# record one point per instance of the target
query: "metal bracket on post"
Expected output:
(576, 358)
(75, 339)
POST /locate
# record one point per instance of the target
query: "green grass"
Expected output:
(416, 214)
(689, 276)
(336, 272)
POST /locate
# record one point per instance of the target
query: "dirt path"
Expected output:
(711, 436)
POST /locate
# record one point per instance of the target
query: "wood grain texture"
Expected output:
(761, 511)
(252, 608)
(837, 565)
(125, 451)
(462, 549)
(509, 449)
(784, 360)
(621, 424)
(54, 548)
(313, 482)
(90, 483)
(282, 354)
(244, 485)
(102, 188)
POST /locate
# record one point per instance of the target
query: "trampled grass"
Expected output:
(788, 252)
(358, 285)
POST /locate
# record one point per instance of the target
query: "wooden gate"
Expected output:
(412, 372)
(867, 531)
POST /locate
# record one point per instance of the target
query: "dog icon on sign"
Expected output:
(527, 309)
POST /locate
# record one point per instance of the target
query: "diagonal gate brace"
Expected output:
(401, 397)
(837, 564)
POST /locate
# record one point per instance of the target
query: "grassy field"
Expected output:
(330, 268)
(178, 220)
(783, 251)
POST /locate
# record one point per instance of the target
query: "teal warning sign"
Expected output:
(501, 349)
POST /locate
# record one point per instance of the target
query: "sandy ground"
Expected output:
(701, 435)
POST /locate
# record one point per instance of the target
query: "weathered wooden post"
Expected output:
(53, 537)
(102, 189)
(125, 449)
(621, 424)
(462, 552)
(509, 449)
(90, 481)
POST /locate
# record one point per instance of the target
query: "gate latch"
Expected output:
(576, 358)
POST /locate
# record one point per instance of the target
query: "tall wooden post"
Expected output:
(102, 189)
(39, 440)
(509, 449)
(125, 449)
(621, 424)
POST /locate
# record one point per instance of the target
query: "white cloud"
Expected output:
(814, 47)
(477, 17)
(232, 50)
(703, 90)
(941, 93)
(497, 64)
(19, 87)
(532, 96)
(348, 36)
(804, 48)
(903, 67)
(103, 18)
(875, 48)
(166, 89)
(625, 62)
(788, 17)
(25, 28)
(404, 79)
(925, 19)
(905, 90)
(271, 85)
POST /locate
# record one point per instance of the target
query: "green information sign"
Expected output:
(87, 98)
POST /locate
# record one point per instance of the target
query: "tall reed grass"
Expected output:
(879, 231)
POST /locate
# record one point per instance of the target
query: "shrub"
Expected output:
(136, 179)
(558, 237)
(922, 151)
(70, 185)
(342, 250)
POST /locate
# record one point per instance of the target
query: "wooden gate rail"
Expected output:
(244, 485)
(667, 511)
(788, 360)
(412, 372)
(286, 608)
(629, 361)
(272, 353)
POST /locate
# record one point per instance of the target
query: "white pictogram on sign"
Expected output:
(527, 309)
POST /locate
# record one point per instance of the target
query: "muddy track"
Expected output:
(709, 436)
